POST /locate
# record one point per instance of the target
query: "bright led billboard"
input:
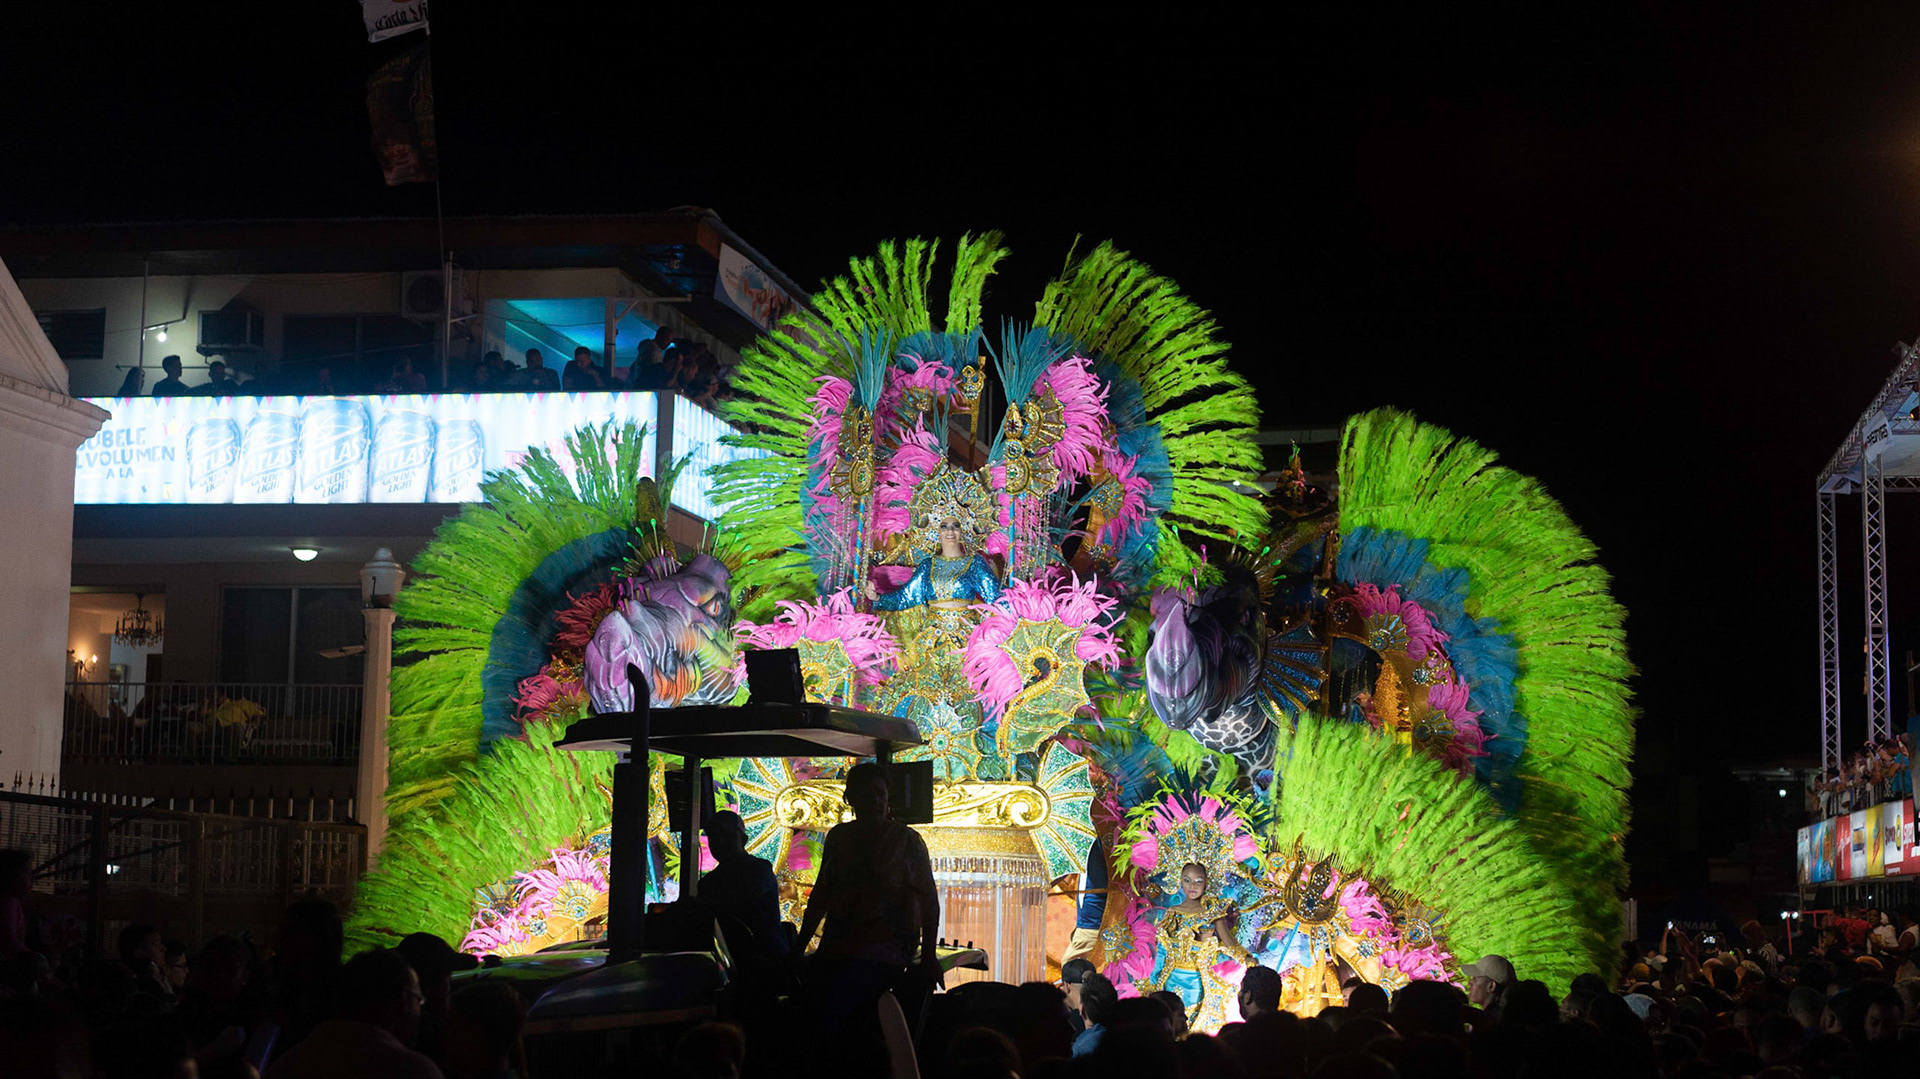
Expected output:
(402, 448)
(697, 434)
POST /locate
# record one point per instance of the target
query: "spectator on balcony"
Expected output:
(218, 383)
(403, 378)
(170, 386)
(323, 383)
(237, 720)
(536, 377)
(581, 376)
(131, 385)
(649, 367)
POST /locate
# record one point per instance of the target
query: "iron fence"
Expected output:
(101, 862)
(212, 723)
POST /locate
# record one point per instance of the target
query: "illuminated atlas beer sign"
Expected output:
(405, 448)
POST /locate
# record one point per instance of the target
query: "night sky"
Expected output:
(1659, 263)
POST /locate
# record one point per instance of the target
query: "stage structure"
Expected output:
(1174, 727)
(1879, 456)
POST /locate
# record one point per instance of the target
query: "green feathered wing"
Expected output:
(1530, 575)
(468, 805)
(1410, 823)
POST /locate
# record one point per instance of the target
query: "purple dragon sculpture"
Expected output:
(1204, 662)
(675, 625)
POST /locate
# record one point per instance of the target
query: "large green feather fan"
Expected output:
(1406, 821)
(1115, 307)
(466, 811)
(1531, 571)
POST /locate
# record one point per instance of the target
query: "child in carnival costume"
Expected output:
(1200, 856)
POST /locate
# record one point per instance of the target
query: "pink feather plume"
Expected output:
(872, 649)
(1051, 597)
(1083, 406)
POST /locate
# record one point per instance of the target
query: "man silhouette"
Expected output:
(742, 886)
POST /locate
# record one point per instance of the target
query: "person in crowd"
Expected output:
(1369, 999)
(22, 968)
(537, 377)
(222, 1016)
(143, 951)
(323, 382)
(1072, 973)
(305, 967)
(581, 376)
(481, 380)
(434, 963)
(218, 383)
(875, 892)
(378, 1014)
(1260, 989)
(710, 1051)
(483, 1033)
(741, 886)
(170, 386)
(1487, 982)
(981, 1053)
(1759, 948)
(1176, 1010)
(131, 386)
(1039, 1024)
(1097, 1000)
(176, 968)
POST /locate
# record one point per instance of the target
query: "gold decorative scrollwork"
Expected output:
(817, 804)
(852, 475)
(812, 805)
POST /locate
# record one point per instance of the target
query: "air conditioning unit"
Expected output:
(423, 294)
(224, 332)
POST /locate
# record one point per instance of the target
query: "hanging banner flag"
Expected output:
(400, 107)
(391, 18)
(747, 289)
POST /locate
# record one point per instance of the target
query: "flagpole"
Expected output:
(440, 226)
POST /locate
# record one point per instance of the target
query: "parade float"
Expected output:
(1179, 724)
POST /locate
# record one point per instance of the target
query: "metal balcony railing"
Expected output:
(106, 864)
(212, 723)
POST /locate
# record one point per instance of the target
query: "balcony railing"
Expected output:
(215, 723)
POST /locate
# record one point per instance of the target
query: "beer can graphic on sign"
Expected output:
(267, 458)
(213, 460)
(402, 456)
(334, 451)
(459, 455)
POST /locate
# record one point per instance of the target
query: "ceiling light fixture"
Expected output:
(305, 554)
(162, 335)
(138, 628)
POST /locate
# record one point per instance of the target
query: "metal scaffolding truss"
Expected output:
(1829, 634)
(1880, 455)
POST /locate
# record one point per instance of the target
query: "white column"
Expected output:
(39, 431)
(380, 581)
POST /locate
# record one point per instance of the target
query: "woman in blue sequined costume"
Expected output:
(953, 579)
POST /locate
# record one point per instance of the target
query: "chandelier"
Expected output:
(138, 628)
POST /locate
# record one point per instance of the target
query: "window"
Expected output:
(76, 335)
(361, 349)
(276, 636)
